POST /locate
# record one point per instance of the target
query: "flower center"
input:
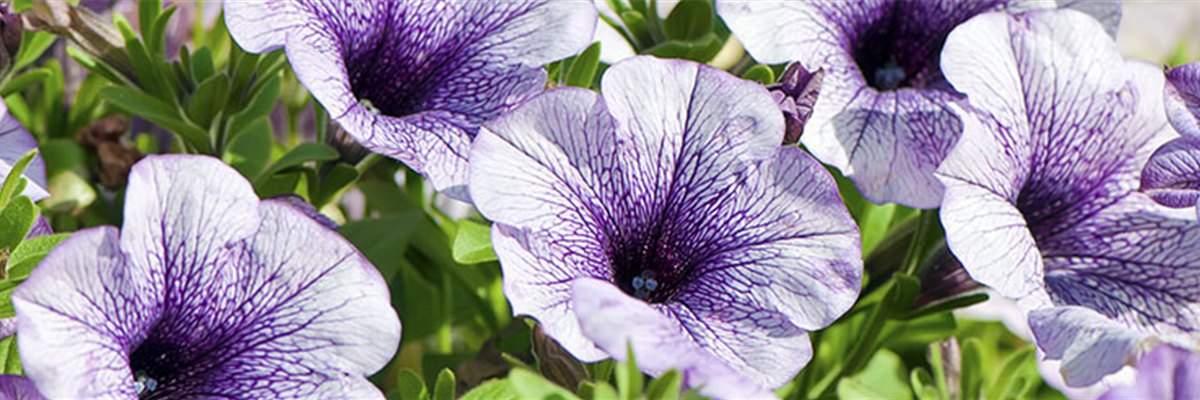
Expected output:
(652, 270)
(143, 384)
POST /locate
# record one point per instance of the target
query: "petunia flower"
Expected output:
(15, 142)
(1167, 372)
(883, 117)
(672, 189)
(1041, 191)
(1172, 177)
(17, 387)
(414, 79)
(205, 292)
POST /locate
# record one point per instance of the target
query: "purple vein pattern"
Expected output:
(17, 387)
(206, 292)
(1172, 177)
(672, 188)
(414, 79)
(1041, 201)
(1167, 372)
(882, 117)
(15, 142)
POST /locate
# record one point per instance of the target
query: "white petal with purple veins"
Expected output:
(17, 387)
(1172, 177)
(1089, 345)
(616, 321)
(80, 313)
(413, 80)
(207, 291)
(1183, 99)
(674, 190)
(1167, 372)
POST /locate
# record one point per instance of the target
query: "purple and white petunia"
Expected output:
(414, 79)
(206, 291)
(883, 117)
(1041, 198)
(671, 188)
(15, 142)
(1172, 177)
(1167, 372)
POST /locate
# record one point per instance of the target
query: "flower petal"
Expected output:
(1090, 345)
(260, 26)
(17, 387)
(1167, 372)
(686, 131)
(15, 142)
(1062, 133)
(434, 70)
(80, 314)
(1172, 177)
(316, 317)
(1183, 99)
(615, 320)
(185, 218)
(545, 174)
(1132, 264)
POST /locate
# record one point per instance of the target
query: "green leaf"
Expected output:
(202, 64)
(410, 386)
(260, 105)
(948, 305)
(883, 377)
(700, 50)
(152, 78)
(339, 179)
(250, 151)
(529, 385)
(33, 45)
(629, 378)
(874, 225)
(29, 253)
(972, 378)
(15, 221)
(25, 80)
(666, 387)
(157, 38)
(922, 384)
(158, 112)
(761, 74)
(690, 19)
(635, 22)
(473, 244)
(1008, 384)
(598, 391)
(10, 361)
(147, 12)
(305, 152)
(584, 68)
(383, 240)
(9, 188)
(499, 389)
(208, 100)
(22, 5)
(444, 388)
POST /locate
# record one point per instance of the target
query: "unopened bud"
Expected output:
(796, 93)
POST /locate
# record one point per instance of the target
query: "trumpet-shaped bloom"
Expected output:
(1041, 201)
(884, 116)
(1167, 372)
(671, 188)
(15, 142)
(206, 291)
(1172, 177)
(414, 79)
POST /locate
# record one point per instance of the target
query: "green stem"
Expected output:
(443, 342)
(916, 249)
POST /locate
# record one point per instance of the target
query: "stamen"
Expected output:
(143, 383)
(890, 75)
(367, 104)
(644, 284)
